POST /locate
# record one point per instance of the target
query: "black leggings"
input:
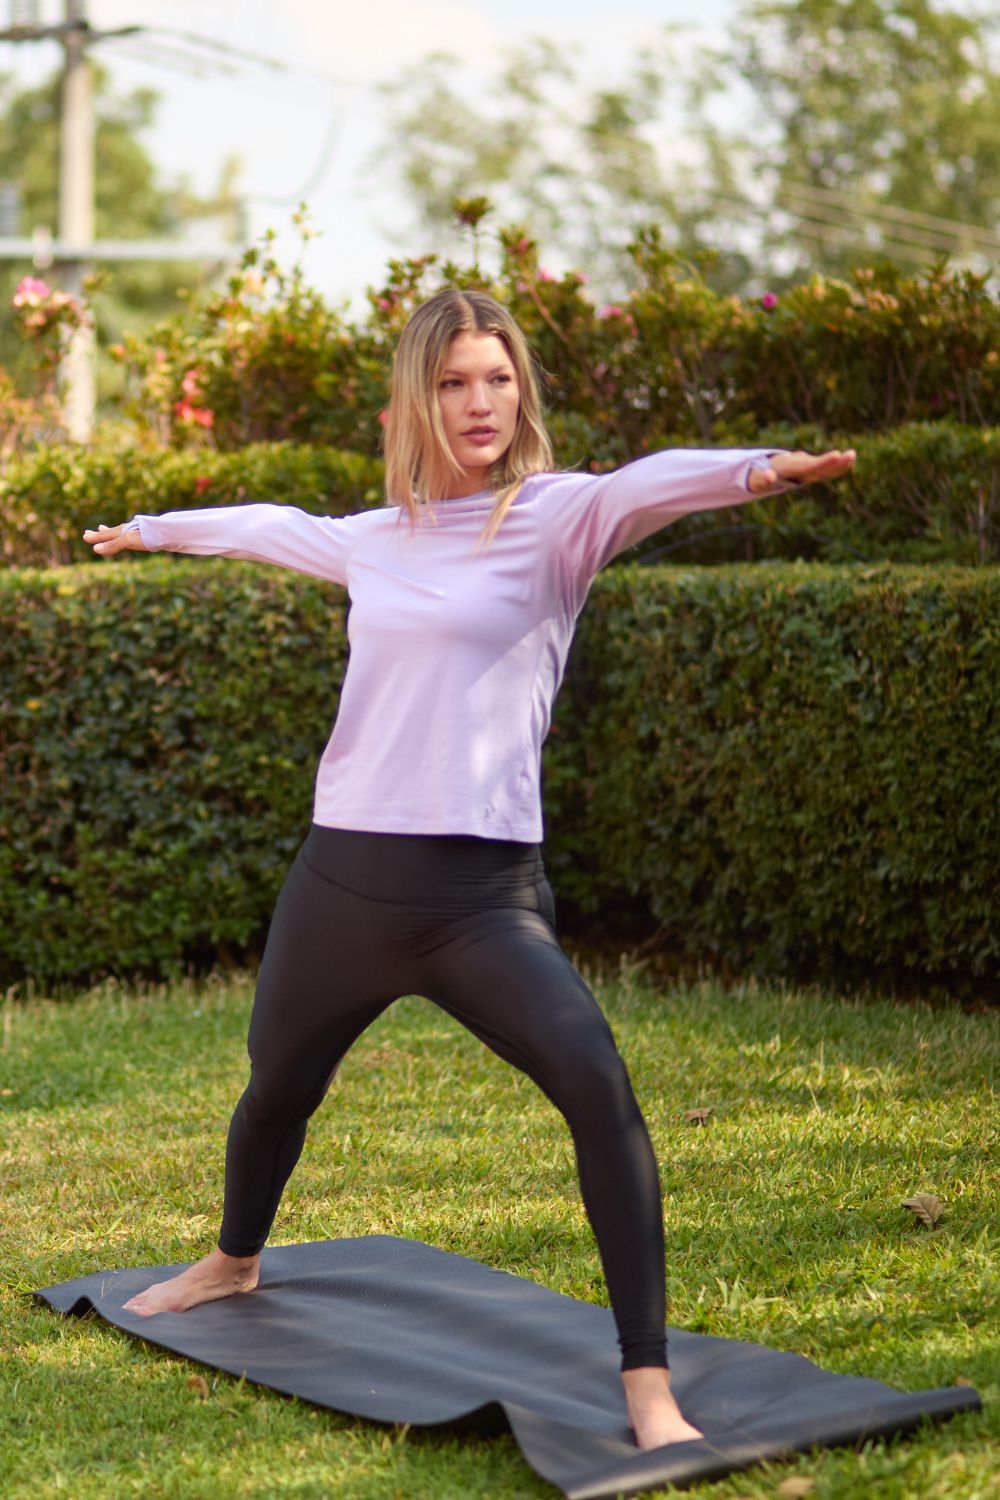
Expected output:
(364, 918)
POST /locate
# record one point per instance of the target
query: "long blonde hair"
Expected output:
(419, 464)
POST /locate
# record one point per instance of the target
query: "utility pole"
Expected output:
(75, 247)
(76, 214)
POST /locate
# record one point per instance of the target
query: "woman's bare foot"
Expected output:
(217, 1275)
(654, 1414)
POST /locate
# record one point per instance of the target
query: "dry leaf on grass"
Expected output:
(697, 1116)
(199, 1385)
(963, 1380)
(795, 1487)
(927, 1208)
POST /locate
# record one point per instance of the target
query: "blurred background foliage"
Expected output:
(826, 133)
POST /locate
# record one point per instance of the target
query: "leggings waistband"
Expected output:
(412, 867)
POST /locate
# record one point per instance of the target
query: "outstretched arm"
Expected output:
(594, 517)
(281, 534)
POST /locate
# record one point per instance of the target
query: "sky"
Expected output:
(316, 122)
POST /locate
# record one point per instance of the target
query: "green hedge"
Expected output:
(792, 767)
(929, 492)
(159, 731)
(49, 497)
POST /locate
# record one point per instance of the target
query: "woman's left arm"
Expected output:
(591, 518)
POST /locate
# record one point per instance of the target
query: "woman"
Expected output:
(422, 871)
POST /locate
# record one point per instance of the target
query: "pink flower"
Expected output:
(609, 310)
(522, 247)
(30, 291)
(189, 384)
(769, 300)
(202, 416)
(384, 304)
(383, 415)
(544, 275)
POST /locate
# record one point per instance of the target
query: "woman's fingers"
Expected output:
(809, 467)
(802, 468)
(107, 539)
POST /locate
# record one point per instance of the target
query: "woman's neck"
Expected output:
(471, 482)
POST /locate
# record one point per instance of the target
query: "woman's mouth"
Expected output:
(481, 436)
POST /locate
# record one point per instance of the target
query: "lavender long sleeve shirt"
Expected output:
(457, 654)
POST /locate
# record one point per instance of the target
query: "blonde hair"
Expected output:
(419, 464)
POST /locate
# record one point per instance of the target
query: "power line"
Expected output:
(176, 61)
(899, 235)
(905, 215)
(847, 235)
(917, 238)
(317, 174)
(274, 64)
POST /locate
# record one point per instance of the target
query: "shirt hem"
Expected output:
(360, 822)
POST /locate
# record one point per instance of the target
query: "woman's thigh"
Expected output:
(326, 974)
(505, 976)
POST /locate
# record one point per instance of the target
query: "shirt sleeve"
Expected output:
(282, 534)
(593, 517)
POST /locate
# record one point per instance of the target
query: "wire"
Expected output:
(174, 59)
(905, 215)
(179, 61)
(315, 177)
(275, 64)
(851, 236)
(927, 238)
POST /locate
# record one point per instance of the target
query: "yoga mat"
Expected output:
(396, 1331)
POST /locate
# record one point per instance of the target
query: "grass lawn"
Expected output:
(783, 1215)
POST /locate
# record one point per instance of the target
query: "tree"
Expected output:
(867, 108)
(581, 166)
(828, 134)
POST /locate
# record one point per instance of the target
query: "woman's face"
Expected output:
(479, 398)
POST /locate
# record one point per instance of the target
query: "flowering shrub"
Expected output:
(46, 316)
(263, 359)
(674, 361)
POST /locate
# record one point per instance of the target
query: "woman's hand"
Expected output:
(802, 468)
(107, 540)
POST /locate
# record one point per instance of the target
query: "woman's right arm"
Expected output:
(281, 534)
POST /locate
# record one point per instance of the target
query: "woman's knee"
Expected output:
(593, 1080)
(272, 1099)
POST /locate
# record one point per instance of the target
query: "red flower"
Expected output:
(202, 483)
(202, 416)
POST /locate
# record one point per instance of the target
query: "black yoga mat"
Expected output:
(396, 1331)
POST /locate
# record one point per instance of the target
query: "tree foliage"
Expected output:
(579, 163)
(872, 105)
(826, 133)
